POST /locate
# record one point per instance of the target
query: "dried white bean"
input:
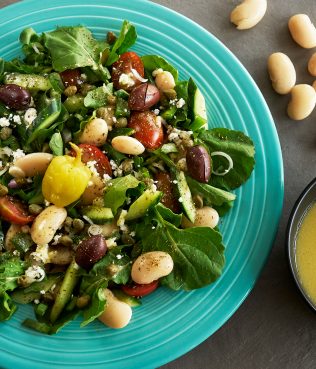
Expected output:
(248, 13)
(12, 231)
(95, 132)
(312, 65)
(282, 73)
(205, 217)
(31, 164)
(127, 145)
(165, 81)
(303, 100)
(117, 314)
(47, 223)
(151, 266)
(302, 30)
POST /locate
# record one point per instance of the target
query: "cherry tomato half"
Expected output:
(71, 77)
(165, 185)
(148, 129)
(14, 211)
(92, 153)
(139, 290)
(124, 65)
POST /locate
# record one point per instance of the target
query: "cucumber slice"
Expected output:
(141, 205)
(98, 214)
(199, 108)
(32, 82)
(185, 197)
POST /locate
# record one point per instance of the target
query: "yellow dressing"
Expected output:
(306, 253)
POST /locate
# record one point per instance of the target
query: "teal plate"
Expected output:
(169, 323)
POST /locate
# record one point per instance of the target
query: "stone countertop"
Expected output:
(274, 328)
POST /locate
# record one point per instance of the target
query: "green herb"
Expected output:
(72, 47)
(221, 200)
(125, 40)
(98, 97)
(56, 144)
(115, 195)
(152, 62)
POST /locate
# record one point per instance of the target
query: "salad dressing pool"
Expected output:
(306, 253)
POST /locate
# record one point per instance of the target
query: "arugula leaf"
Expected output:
(7, 307)
(125, 40)
(221, 200)
(11, 268)
(169, 215)
(115, 194)
(56, 144)
(72, 47)
(98, 97)
(97, 304)
(198, 252)
(44, 120)
(152, 62)
(240, 148)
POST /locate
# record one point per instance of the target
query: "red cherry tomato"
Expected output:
(92, 153)
(169, 198)
(124, 65)
(139, 290)
(14, 211)
(71, 77)
(148, 129)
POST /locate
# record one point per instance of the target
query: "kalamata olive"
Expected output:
(71, 77)
(199, 163)
(15, 97)
(89, 251)
(143, 97)
(169, 198)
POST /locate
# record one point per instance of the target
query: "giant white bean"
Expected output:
(151, 266)
(117, 314)
(282, 73)
(165, 81)
(248, 13)
(302, 30)
(127, 145)
(95, 132)
(47, 223)
(205, 217)
(303, 100)
(31, 164)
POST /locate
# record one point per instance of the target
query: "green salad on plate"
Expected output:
(111, 184)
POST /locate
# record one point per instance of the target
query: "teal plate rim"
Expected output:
(168, 324)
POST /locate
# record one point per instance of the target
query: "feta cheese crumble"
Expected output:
(4, 122)
(127, 79)
(29, 116)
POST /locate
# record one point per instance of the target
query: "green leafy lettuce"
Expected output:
(239, 147)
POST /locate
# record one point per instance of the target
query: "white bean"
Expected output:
(47, 223)
(94, 189)
(117, 314)
(248, 13)
(282, 73)
(205, 217)
(302, 30)
(95, 132)
(31, 164)
(12, 231)
(151, 266)
(303, 100)
(312, 65)
(165, 81)
(60, 255)
(127, 145)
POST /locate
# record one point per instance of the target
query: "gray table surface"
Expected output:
(273, 328)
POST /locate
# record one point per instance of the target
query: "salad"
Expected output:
(111, 185)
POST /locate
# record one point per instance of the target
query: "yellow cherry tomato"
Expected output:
(65, 179)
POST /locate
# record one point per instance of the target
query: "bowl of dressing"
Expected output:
(301, 243)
